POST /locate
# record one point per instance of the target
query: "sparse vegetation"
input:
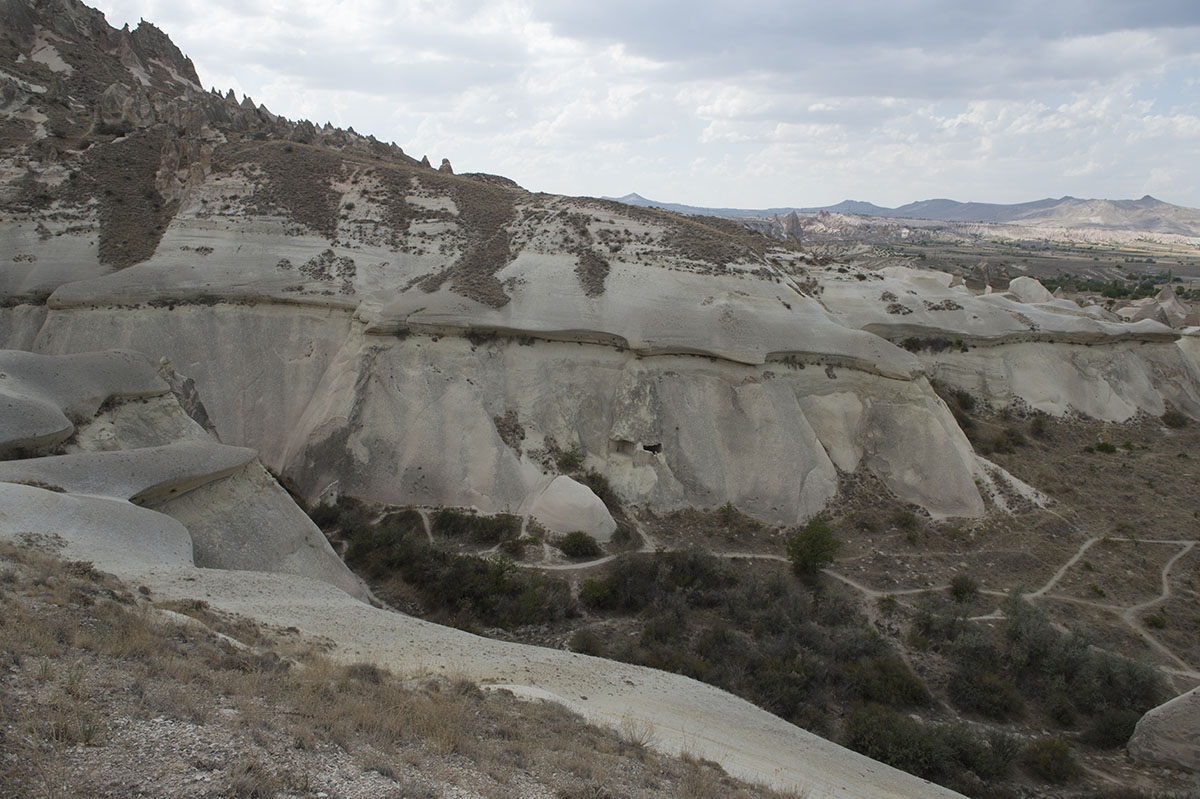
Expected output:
(102, 689)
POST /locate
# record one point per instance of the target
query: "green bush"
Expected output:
(893, 738)
(455, 523)
(944, 753)
(578, 545)
(976, 689)
(602, 489)
(1106, 447)
(570, 460)
(586, 642)
(964, 400)
(884, 679)
(461, 589)
(1039, 426)
(964, 588)
(1174, 418)
(1111, 728)
(1050, 758)
(812, 547)
(636, 582)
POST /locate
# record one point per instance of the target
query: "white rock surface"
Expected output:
(568, 506)
(115, 535)
(40, 396)
(1027, 289)
(1169, 735)
(142, 476)
(217, 497)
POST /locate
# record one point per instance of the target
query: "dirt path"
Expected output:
(1129, 614)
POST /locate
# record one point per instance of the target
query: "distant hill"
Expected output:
(1147, 213)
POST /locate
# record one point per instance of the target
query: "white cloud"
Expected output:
(712, 103)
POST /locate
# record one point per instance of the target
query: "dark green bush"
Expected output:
(975, 689)
(601, 488)
(455, 523)
(812, 547)
(964, 400)
(964, 588)
(1050, 758)
(1106, 447)
(569, 460)
(635, 582)
(1174, 418)
(893, 738)
(578, 545)
(945, 753)
(1111, 728)
(461, 589)
(884, 679)
(1039, 426)
(765, 638)
(586, 642)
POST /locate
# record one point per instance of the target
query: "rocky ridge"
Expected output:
(377, 289)
(367, 325)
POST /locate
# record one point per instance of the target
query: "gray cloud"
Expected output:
(719, 103)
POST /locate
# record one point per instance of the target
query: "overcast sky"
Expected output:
(717, 103)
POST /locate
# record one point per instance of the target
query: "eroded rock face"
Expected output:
(137, 480)
(361, 320)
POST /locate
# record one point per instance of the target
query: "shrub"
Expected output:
(569, 460)
(812, 547)
(937, 752)
(1050, 758)
(578, 545)
(1174, 418)
(455, 523)
(964, 588)
(893, 738)
(885, 679)
(602, 489)
(1106, 447)
(975, 689)
(637, 582)
(1039, 427)
(462, 589)
(1111, 728)
(586, 642)
(964, 400)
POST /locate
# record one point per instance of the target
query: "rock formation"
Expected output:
(396, 312)
(110, 466)
(1169, 735)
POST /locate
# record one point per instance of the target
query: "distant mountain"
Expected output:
(1147, 213)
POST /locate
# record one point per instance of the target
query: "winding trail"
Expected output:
(1127, 613)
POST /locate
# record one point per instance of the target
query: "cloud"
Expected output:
(718, 103)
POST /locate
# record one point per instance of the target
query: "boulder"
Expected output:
(1029, 290)
(1169, 735)
(567, 506)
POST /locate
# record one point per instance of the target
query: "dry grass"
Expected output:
(105, 694)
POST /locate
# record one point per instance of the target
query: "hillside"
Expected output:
(588, 435)
(1147, 214)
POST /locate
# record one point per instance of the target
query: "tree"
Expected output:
(812, 547)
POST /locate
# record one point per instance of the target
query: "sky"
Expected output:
(734, 104)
